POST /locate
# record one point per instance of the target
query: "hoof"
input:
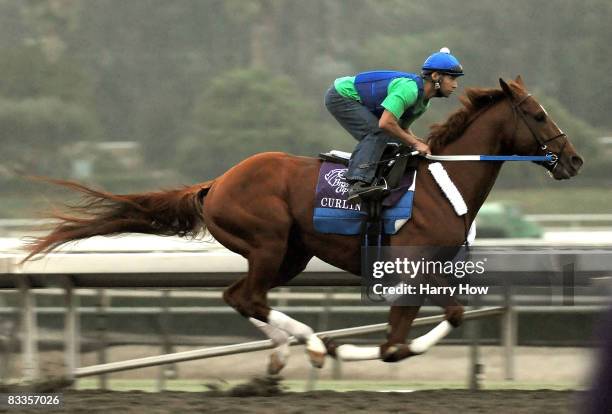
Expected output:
(317, 359)
(275, 364)
(330, 346)
(454, 315)
(316, 351)
(396, 353)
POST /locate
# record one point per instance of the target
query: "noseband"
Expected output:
(542, 143)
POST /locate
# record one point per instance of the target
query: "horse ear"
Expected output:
(505, 87)
(519, 80)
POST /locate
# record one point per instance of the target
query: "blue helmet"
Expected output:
(443, 62)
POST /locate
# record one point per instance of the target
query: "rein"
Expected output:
(532, 158)
(549, 160)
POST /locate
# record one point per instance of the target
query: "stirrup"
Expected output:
(367, 191)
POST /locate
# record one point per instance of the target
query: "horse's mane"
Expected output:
(473, 101)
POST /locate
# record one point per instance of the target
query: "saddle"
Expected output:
(395, 162)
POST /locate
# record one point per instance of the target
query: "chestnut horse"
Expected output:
(262, 209)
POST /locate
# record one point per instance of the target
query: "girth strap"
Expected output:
(372, 228)
(397, 172)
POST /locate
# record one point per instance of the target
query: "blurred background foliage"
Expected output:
(186, 89)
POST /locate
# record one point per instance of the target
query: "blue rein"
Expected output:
(532, 158)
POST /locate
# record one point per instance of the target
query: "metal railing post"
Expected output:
(509, 334)
(101, 326)
(29, 330)
(476, 368)
(71, 333)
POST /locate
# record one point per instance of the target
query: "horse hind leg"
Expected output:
(294, 263)
(280, 356)
(249, 297)
(267, 241)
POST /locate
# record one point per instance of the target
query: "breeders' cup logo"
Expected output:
(335, 178)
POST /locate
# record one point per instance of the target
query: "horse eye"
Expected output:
(541, 117)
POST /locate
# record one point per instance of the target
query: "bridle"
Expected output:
(542, 143)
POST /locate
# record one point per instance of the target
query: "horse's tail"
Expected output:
(176, 212)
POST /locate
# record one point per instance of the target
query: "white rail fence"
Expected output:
(67, 272)
(209, 268)
(260, 345)
(14, 226)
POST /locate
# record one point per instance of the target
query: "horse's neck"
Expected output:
(475, 179)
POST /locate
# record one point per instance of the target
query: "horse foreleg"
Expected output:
(400, 321)
(454, 314)
(394, 349)
(401, 318)
(348, 352)
(453, 309)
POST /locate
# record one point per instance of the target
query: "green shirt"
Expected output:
(402, 93)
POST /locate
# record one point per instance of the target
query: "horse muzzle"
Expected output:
(567, 166)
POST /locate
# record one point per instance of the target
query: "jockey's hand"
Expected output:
(422, 148)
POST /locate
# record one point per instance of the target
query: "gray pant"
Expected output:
(363, 126)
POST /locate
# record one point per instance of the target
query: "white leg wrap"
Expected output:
(357, 353)
(276, 335)
(315, 344)
(280, 354)
(281, 321)
(423, 343)
(302, 332)
(282, 351)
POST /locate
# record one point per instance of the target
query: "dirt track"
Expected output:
(537, 365)
(421, 402)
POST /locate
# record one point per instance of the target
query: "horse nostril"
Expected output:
(576, 161)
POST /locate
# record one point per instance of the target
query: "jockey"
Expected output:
(378, 107)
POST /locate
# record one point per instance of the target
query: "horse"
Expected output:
(262, 209)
